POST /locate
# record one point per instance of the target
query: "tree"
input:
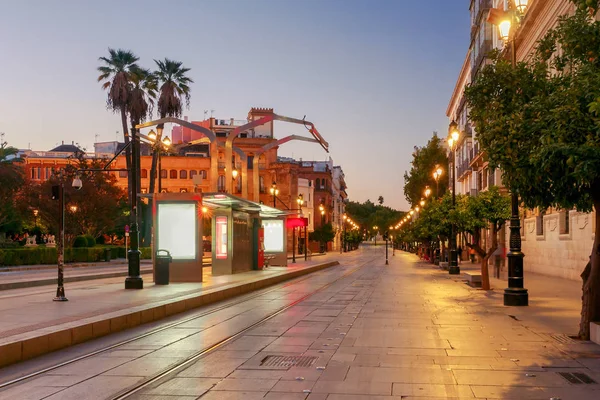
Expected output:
(424, 162)
(367, 215)
(98, 207)
(115, 76)
(380, 200)
(322, 234)
(11, 179)
(540, 123)
(489, 209)
(174, 90)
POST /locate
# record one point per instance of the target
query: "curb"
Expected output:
(78, 278)
(72, 333)
(17, 268)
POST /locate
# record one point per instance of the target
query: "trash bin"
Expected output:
(161, 274)
(107, 255)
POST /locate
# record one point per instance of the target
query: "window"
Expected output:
(193, 173)
(539, 223)
(183, 174)
(318, 184)
(122, 174)
(261, 184)
(163, 173)
(144, 173)
(203, 173)
(173, 174)
(239, 184)
(564, 221)
(250, 162)
(221, 183)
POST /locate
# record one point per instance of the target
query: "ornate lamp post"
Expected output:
(158, 145)
(344, 220)
(515, 294)
(274, 192)
(454, 135)
(375, 228)
(35, 215)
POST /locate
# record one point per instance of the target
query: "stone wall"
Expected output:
(554, 253)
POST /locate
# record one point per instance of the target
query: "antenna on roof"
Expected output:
(211, 113)
(96, 136)
(205, 114)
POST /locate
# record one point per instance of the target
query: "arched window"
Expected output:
(261, 184)
(183, 174)
(193, 173)
(221, 183)
(318, 184)
(163, 173)
(173, 174)
(203, 173)
(144, 173)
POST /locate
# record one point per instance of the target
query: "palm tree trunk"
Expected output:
(127, 154)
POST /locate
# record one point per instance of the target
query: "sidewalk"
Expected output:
(32, 324)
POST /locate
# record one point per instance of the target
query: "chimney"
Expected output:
(63, 142)
(73, 142)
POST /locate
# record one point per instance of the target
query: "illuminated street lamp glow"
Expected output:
(504, 29)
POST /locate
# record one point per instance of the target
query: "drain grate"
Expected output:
(288, 361)
(577, 378)
(562, 338)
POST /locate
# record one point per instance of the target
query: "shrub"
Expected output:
(91, 242)
(100, 240)
(80, 241)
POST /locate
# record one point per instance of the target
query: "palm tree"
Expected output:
(115, 76)
(174, 89)
(143, 93)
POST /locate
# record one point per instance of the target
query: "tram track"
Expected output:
(209, 349)
(215, 309)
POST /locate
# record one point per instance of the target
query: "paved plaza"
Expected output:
(362, 330)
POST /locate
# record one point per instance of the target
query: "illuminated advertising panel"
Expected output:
(177, 230)
(221, 237)
(273, 235)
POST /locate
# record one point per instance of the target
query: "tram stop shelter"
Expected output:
(244, 233)
(178, 229)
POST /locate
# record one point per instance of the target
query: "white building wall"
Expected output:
(555, 254)
(307, 189)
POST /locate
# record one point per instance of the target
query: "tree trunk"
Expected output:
(127, 154)
(590, 300)
(485, 273)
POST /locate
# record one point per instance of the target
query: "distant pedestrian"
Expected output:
(459, 251)
(472, 255)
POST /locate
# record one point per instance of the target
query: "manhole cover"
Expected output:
(577, 378)
(288, 361)
(562, 338)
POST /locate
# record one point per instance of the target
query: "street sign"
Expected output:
(127, 229)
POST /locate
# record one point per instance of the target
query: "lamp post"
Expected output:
(344, 244)
(454, 135)
(515, 294)
(134, 279)
(274, 192)
(436, 175)
(427, 191)
(35, 215)
(375, 229)
(58, 193)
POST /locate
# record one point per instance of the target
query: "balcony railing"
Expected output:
(484, 50)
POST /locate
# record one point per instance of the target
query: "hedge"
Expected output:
(48, 255)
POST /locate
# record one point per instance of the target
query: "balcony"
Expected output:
(480, 6)
(476, 156)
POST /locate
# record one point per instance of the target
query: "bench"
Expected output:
(473, 278)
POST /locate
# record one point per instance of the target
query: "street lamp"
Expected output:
(436, 175)
(274, 192)
(375, 228)
(422, 203)
(515, 295)
(345, 219)
(427, 191)
(35, 215)
(73, 208)
(453, 137)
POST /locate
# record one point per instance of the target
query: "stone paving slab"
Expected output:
(32, 324)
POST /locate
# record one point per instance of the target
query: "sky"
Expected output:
(374, 76)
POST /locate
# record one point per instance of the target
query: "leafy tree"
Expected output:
(115, 76)
(98, 207)
(322, 234)
(540, 123)
(424, 162)
(489, 209)
(367, 215)
(11, 179)
(380, 200)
